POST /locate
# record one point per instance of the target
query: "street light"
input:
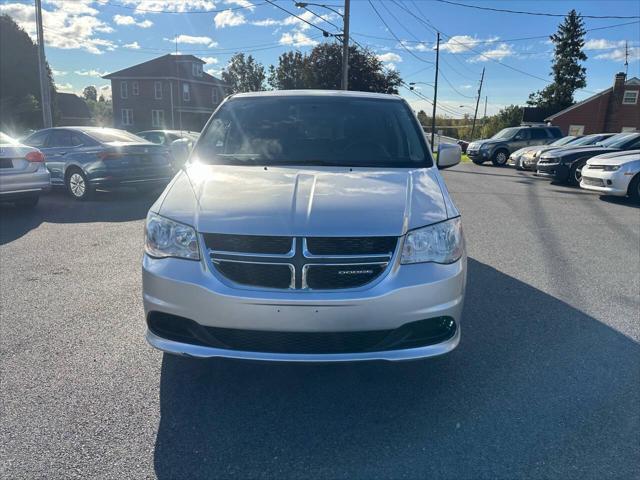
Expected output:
(345, 34)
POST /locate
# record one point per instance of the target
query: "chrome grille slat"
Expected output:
(301, 263)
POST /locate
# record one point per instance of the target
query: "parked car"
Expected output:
(516, 158)
(499, 147)
(565, 165)
(23, 175)
(307, 226)
(85, 158)
(180, 142)
(616, 173)
(529, 160)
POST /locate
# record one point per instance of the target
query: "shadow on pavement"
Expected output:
(121, 205)
(536, 389)
(625, 201)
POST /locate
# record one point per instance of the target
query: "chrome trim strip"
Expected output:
(198, 351)
(22, 191)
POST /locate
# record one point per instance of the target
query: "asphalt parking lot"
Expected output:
(545, 383)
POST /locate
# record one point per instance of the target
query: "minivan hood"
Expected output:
(322, 201)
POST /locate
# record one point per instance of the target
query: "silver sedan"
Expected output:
(23, 174)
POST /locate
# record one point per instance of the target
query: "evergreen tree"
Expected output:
(568, 74)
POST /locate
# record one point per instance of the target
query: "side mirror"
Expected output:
(449, 155)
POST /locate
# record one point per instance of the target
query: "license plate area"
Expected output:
(6, 163)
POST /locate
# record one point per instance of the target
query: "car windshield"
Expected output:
(586, 140)
(113, 135)
(617, 140)
(505, 133)
(564, 141)
(314, 130)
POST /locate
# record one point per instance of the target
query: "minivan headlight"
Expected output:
(166, 238)
(439, 243)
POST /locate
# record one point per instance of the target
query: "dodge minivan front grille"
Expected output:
(298, 263)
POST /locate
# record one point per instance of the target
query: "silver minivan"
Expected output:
(307, 226)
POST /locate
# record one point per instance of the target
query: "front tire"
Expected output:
(575, 174)
(78, 185)
(500, 158)
(634, 189)
(477, 161)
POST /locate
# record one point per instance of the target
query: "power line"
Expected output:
(454, 88)
(322, 18)
(539, 14)
(324, 32)
(395, 36)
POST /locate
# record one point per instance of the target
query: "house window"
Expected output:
(196, 69)
(124, 90)
(135, 88)
(576, 130)
(157, 90)
(186, 93)
(215, 97)
(630, 97)
(127, 116)
(157, 118)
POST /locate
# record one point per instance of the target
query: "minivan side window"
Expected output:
(522, 135)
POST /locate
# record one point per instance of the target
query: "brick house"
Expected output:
(616, 109)
(168, 92)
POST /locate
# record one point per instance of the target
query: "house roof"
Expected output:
(162, 67)
(631, 81)
(72, 106)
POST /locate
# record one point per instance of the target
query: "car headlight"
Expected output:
(166, 238)
(611, 168)
(439, 243)
(484, 146)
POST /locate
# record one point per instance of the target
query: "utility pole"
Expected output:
(484, 117)
(345, 46)
(435, 92)
(475, 115)
(626, 59)
(45, 92)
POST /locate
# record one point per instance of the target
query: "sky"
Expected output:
(85, 39)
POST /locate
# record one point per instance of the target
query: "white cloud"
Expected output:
(58, 73)
(418, 47)
(67, 25)
(459, 43)
(90, 73)
(602, 44)
(64, 87)
(191, 40)
(619, 54)
(466, 87)
(209, 60)
(105, 91)
(503, 50)
(266, 22)
(229, 18)
(158, 6)
(241, 3)
(216, 72)
(128, 20)
(297, 39)
(389, 57)
(132, 46)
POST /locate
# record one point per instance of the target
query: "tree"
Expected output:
(323, 70)
(244, 74)
(19, 79)
(101, 112)
(510, 116)
(568, 74)
(289, 74)
(90, 93)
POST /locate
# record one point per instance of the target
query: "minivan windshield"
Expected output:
(314, 130)
(505, 133)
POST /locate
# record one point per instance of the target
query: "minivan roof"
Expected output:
(318, 93)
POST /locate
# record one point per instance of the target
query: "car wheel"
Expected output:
(477, 161)
(78, 185)
(500, 158)
(575, 174)
(634, 189)
(28, 202)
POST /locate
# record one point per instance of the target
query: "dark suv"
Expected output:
(502, 144)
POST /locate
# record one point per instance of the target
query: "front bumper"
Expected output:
(408, 293)
(609, 183)
(555, 171)
(479, 154)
